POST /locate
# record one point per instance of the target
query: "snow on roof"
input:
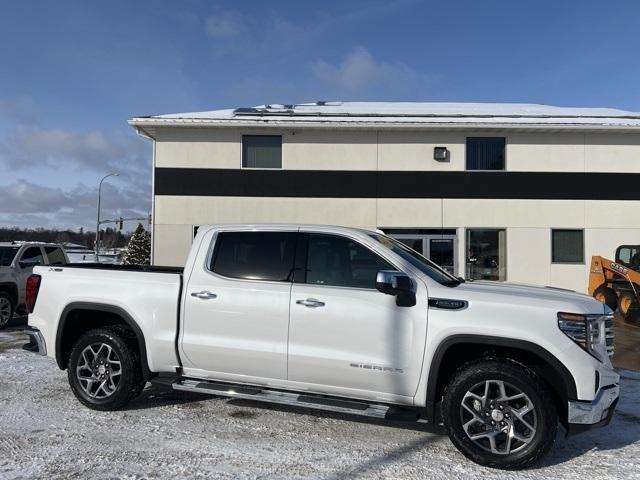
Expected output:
(404, 113)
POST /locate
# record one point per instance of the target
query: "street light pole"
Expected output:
(97, 244)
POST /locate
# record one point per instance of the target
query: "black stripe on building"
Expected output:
(397, 184)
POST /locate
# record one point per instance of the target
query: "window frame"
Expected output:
(214, 245)
(551, 231)
(466, 156)
(242, 135)
(303, 241)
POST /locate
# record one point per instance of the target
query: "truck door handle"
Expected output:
(204, 295)
(310, 302)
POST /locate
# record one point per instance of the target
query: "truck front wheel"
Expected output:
(104, 371)
(500, 414)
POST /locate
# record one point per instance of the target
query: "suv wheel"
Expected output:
(500, 414)
(6, 309)
(104, 371)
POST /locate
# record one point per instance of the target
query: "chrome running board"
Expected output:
(318, 402)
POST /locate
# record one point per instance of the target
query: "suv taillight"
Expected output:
(33, 286)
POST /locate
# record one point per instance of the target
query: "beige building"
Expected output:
(524, 193)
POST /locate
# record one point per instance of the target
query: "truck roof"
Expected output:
(282, 226)
(19, 243)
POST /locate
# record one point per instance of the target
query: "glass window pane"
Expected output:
(262, 151)
(32, 254)
(486, 254)
(441, 252)
(416, 244)
(255, 255)
(485, 153)
(567, 246)
(55, 256)
(7, 254)
(342, 262)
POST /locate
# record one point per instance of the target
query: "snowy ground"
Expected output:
(45, 433)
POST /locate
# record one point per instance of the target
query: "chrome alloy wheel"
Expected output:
(99, 370)
(5, 311)
(498, 417)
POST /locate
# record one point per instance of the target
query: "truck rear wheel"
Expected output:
(6, 309)
(500, 414)
(607, 296)
(104, 371)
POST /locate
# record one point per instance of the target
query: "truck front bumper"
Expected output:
(583, 416)
(36, 341)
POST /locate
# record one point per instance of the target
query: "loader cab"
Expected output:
(629, 256)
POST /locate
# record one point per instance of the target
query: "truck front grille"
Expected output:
(609, 335)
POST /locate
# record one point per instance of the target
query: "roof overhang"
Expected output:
(147, 126)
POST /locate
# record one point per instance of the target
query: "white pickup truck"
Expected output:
(340, 319)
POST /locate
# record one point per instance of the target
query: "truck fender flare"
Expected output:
(567, 391)
(102, 307)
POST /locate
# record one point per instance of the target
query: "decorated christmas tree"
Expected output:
(139, 248)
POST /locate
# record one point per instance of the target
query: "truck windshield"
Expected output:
(423, 264)
(6, 255)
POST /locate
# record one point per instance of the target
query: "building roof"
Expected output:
(403, 115)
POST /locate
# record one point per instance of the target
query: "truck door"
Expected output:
(236, 312)
(345, 334)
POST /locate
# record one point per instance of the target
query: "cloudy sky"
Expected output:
(73, 72)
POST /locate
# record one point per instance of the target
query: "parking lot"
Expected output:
(45, 433)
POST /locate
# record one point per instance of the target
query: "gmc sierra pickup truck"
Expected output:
(340, 319)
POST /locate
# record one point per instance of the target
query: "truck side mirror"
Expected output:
(391, 282)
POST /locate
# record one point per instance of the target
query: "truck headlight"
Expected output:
(594, 333)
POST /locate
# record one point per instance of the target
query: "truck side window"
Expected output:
(254, 255)
(342, 262)
(32, 254)
(55, 256)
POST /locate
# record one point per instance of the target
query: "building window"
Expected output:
(261, 151)
(254, 255)
(485, 153)
(567, 246)
(486, 254)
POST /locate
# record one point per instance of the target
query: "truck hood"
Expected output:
(528, 295)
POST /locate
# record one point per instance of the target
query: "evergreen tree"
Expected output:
(139, 248)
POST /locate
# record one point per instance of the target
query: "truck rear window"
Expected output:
(254, 255)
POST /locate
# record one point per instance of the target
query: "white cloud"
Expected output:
(359, 70)
(29, 147)
(224, 24)
(26, 204)
(45, 173)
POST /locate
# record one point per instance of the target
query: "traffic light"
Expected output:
(120, 221)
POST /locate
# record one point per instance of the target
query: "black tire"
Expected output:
(627, 303)
(515, 377)
(607, 296)
(120, 386)
(7, 309)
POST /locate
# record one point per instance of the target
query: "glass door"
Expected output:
(442, 252)
(440, 249)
